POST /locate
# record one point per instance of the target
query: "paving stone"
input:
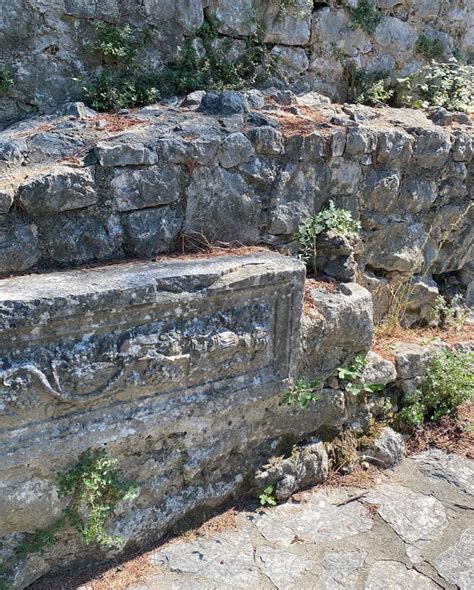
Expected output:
(341, 569)
(282, 567)
(225, 557)
(316, 521)
(456, 565)
(456, 470)
(416, 518)
(393, 575)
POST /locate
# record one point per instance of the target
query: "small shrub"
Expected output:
(214, 69)
(121, 83)
(449, 314)
(266, 496)
(370, 88)
(428, 47)
(449, 85)
(331, 218)
(94, 489)
(302, 393)
(6, 80)
(366, 16)
(350, 377)
(448, 383)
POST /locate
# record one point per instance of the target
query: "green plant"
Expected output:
(332, 219)
(366, 16)
(431, 48)
(94, 489)
(351, 377)
(370, 88)
(285, 5)
(266, 496)
(302, 393)
(121, 82)
(6, 80)
(212, 68)
(449, 85)
(448, 383)
(449, 314)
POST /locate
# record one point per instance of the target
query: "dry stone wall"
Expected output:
(43, 43)
(241, 168)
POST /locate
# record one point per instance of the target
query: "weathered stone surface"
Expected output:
(412, 361)
(378, 370)
(416, 518)
(455, 469)
(341, 569)
(393, 575)
(456, 564)
(308, 465)
(183, 362)
(236, 149)
(318, 521)
(151, 232)
(283, 568)
(267, 141)
(387, 449)
(6, 199)
(19, 249)
(137, 189)
(124, 154)
(336, 328)
(60, 189)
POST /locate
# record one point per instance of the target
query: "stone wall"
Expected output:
(240, 169)
(42, 42)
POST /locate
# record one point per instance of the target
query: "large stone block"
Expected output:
(177, 368)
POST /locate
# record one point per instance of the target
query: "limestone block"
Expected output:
(124, 154)
(61, 189)
(151, 232)
(6, 199)
(19, 248)
(338, 326)
(236, 149)
(290, 26)
(233, 18)
(176, 367)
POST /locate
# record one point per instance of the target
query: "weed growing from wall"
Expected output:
(350, 377)
(448, 383)
(211, 67)
(266, 496)
(302, 393)
(370, 88)
(332, 219)
(6, 80)
(366, 16)
(121, 83)
(431, 48)
(94, 488)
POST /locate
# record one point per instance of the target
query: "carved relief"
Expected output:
(147, 358)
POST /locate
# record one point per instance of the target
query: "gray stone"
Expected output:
(193, 99)
(394, 147)
(6, 199)
(75, 239)
(151, 232)
(395, 32)
(221, 207)
(124, 154)
(317, 521)
(456, 564)
(291, 61)
(288, 27)
(416, 518)
(345, 176)
(393, 575)
(137, 189)
(283, 568)
(61, 189)
(19, 249)
(457, 470)
(235, 150)
(360, 141)
(341, 569)
(417, 194)
(432, 148)
(307, 465)
(229, 556)
(396, 247)
(255, 98)
(378, 370)
(463, 148)
(412, 361)
(335, 257)
(335, 329)
(225, 103)
(386, 450)
(77, 110)
(267, 141)
(233, 18)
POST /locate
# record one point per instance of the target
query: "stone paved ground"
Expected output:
(414, 530)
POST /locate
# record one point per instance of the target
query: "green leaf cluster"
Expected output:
(449, 382)
(366, 16)
(302, 393)
(266, 496)
(6, 80)
(350, 377)
(94, 489)
(431, 48)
